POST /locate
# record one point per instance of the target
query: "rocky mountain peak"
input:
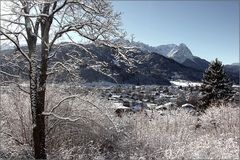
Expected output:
(180, 53)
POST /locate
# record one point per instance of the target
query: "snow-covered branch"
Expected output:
(60, 117)
(8, 74)
(61, 101)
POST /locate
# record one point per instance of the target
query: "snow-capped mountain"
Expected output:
(161, 49)
(165, 49)
(180, 53)
(183, 55)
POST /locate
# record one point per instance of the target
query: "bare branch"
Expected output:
(61, 32)
(12, 22)
(60, 102)
(16, 44)
(17, 84)
(8, 74)
(62, 65)
(55, 10)
(59, 117)
(15, 139)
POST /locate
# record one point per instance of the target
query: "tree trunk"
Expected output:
(37, 107)
(39, 131)
(38, 88)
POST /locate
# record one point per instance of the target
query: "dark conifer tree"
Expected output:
(216, 86)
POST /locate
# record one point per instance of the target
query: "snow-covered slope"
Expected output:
(180, 53)
(165, 49)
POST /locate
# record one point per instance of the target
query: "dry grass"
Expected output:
(99, 134)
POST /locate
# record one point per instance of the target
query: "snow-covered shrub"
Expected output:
(84, 127)
(15, 124)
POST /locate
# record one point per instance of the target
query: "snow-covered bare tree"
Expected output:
(44, 23)
(215, 85)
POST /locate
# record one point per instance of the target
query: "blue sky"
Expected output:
(209, 28)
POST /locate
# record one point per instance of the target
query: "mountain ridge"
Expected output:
(146, 68)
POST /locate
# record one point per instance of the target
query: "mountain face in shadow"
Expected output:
(135, 67)
(102, 63)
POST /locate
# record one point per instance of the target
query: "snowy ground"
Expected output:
(185, 83)
(236, 86)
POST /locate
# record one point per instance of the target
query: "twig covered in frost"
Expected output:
(51, 112)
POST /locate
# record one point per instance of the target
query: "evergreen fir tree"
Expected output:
(215, 86)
